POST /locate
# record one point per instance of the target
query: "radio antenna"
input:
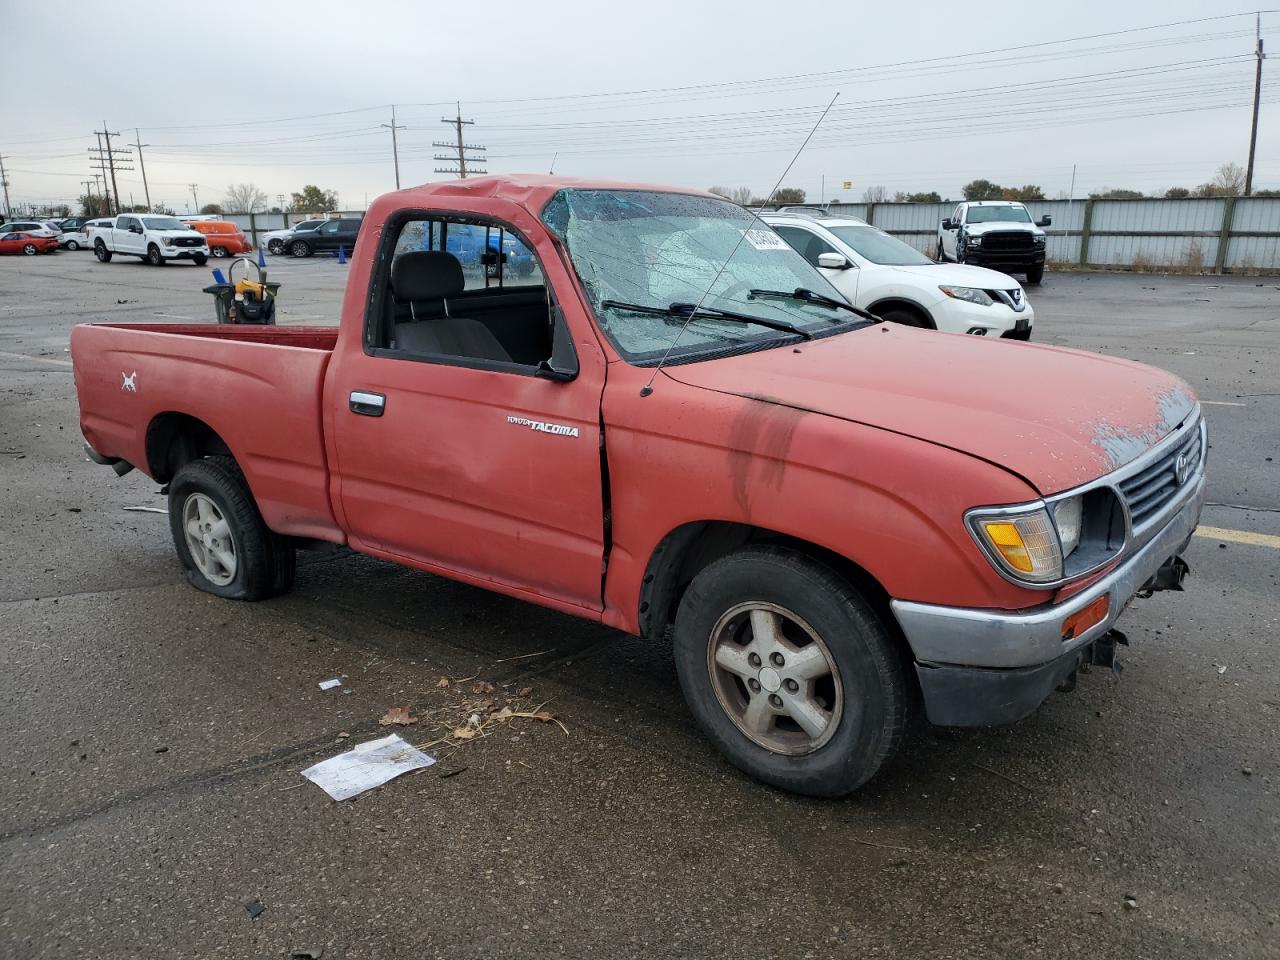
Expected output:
(648, 387)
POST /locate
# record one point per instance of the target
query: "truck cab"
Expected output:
(995, 233)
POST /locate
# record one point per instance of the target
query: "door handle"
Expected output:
(367, 404)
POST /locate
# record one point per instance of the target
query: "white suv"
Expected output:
(893, 280)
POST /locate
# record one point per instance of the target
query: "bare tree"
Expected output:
(876, 194)
(741, 195)
(726, 192)
(1230, 179)
(245, 198)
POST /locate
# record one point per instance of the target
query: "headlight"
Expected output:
(168, 241)
(970, 294)
(1068, 516)
(1022, 543)
(1039, 240)
(973, 241)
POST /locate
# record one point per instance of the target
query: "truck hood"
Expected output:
(176, 233)
(962, 275)
(978, 229)
(1055, 417)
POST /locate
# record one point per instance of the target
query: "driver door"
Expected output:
(949, 234)
(127, 239)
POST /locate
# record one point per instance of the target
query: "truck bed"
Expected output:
(258, 388)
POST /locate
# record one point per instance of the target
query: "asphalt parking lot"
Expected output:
(156, 734)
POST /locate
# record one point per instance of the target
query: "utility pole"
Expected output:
(395, 150)
(280, 201)
(1257, 94)
(109, 160)
(460, 156)
(194, 197)
(137, 142)
(4, 181)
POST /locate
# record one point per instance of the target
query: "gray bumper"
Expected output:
(1030, 638)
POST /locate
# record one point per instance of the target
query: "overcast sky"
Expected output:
(667, 92)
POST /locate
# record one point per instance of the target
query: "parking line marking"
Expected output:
(23, 356)
(1240, 536)
(1223, 403)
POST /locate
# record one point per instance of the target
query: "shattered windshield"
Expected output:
(655, 249)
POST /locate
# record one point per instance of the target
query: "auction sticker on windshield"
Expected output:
(765, 240)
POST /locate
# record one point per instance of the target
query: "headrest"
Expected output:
(426, 275)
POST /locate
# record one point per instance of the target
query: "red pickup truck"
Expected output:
(840, 520)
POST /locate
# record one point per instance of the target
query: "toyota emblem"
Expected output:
(1182, 467)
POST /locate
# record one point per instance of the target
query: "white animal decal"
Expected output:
(130, 381)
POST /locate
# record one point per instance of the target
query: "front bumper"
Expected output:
(183, 253)
(1016, 260)
(952, 315)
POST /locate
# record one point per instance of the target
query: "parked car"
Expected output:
(277, 240)
(837, 518)
(73, 239)
(995, 233)
(155, 238)
(73, 224)
(893, 280)
(327, 237)
(225, 238)
(33, 227)
(27, 242)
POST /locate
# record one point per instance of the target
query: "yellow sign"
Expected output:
(848, 185)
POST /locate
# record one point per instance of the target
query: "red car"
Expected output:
(27, 243)
(832, 520)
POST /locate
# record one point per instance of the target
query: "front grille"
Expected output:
(188, 242)
(1007, 241)
(1147, 491)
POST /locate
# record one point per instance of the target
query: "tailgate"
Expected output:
(258, 388)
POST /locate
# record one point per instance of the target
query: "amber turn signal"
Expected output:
(1087, 617)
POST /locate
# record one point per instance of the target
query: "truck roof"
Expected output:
(531, 190)
(994, 203)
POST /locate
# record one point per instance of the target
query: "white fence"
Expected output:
(1220, 233)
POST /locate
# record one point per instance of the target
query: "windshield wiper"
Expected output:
(808, 296)
(691, 311)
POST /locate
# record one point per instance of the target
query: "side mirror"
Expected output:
(135, 230)
(948, 224)
(563, 365)
(833, 261)
(1045, 221)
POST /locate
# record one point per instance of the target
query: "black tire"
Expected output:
(275, 246)
(218, 251)
(30, 249)
(959, 252)
(154, 256)
(874, 712)
(72, 245)
(200, 259)
(908, 318)
(1035, 275)
(942, 253)
(265, 561)
(101, 252)
(300, 248)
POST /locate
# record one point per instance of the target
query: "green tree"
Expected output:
(213, 209)
(311, 199)
(1026, 192)
(982, 190)
(789, 195)
(1116, 193)
(1177, 193)
(92, 205)
(1266, 193)
(930, 197)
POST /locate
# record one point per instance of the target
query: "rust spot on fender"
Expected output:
(759, 443)
(1123, 442)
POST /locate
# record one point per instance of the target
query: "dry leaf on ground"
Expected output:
(484, 686)
(442, 682)
(398, 717)
(524, 691)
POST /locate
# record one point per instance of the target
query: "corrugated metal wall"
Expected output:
(1121, 233)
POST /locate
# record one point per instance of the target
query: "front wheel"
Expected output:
(300, 248)
(1035, 274)
(905, 317)
(941, 256)
(200, 259)
(154, 256)
(220, 536)
(789, 671)
(101, 252)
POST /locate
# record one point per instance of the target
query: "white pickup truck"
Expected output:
(155, 238)
(995, 233)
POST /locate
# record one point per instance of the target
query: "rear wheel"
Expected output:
(218, 252)
(154, 256)
(101, 252)
(790, 672)
(1035, 274)
(220, 536)
(275, 246)
(941, 256)
(300, 248)
(30, 249)
(72, 245)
